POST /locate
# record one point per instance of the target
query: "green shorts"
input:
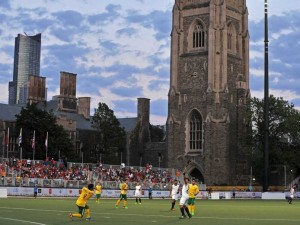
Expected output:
(123, 197)
(98, 195)
(191, 201)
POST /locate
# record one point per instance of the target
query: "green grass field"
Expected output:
(49, 211)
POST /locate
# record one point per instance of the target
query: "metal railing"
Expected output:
(61, 183)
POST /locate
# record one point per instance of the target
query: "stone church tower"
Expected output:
(209, 90)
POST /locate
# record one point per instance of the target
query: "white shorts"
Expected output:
(175, 197)
(183, 200)
(137, 194)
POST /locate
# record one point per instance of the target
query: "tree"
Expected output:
(284, 134)
(33, 119)
(112, 137)
(157, 133)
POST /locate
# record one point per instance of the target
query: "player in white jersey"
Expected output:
(174, 193)
(184, 199)
(292, 193)
(137, 193)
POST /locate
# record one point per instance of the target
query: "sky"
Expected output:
(120, 49)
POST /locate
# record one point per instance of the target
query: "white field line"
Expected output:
(162, 216)
(22, 221)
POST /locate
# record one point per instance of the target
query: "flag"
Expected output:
(33, 140)
(7, 137)
(20, 137)
(46, 141)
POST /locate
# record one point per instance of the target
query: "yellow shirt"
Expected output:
(193, 190)
(124, 188)
(84, 196)
(98, 189)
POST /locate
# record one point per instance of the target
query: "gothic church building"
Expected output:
(209, 90)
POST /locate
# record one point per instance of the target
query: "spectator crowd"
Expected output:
(51, 169)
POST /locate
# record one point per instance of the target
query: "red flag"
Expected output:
(33, 140)
(7, 137)
(46, 141)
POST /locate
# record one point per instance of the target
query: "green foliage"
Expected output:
(33, 119)
(111, 136)
(284, 133)
(157, 133)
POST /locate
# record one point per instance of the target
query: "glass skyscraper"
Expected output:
(27, 59)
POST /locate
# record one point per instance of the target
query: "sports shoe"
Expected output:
(125, 207)
(89, 219)
(117, 206)
(140, 203)
(192, 213)
(182, 217)
(71, 216)
(172, 209)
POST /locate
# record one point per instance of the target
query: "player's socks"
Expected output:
(173, 204)
(188, 212)
(78, 215)
(140, 200)
(182, 211)
(118, 202)
(88, 213)
(124, 204)
(193, 210)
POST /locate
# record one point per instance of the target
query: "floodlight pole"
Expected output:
(266, 104)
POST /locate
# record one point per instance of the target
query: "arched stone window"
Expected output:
(197, 36)
(231, 38)
(195, 131)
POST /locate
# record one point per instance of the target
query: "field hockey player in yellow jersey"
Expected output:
(123, 195)
(98, 192)
(86, 194)
(193, 191)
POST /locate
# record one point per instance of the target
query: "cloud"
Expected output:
(127, 32)
(5, 4)
(133, 91)
(285, 94)
(69, 18)
(160, 21)
(121, 51)
(112, 13)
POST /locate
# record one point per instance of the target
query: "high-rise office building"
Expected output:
(26, 62)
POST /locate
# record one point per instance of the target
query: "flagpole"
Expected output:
(266, 105)
(3, 143)
(33, 145)
(21, 153)
(7, 142)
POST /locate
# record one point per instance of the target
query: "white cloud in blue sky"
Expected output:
(120, 49)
